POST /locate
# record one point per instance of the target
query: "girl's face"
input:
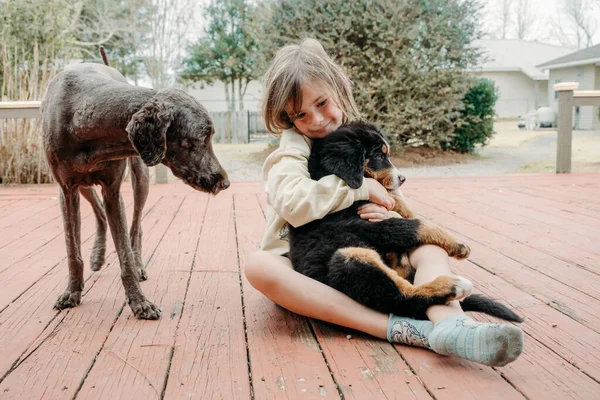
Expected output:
(319, 114)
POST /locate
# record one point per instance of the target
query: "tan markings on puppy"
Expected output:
(441, 286)
(384, 149)
(384, 176)
(371, 257)
(429, 233)
(400, 264)
(401, 207)
(444, 286)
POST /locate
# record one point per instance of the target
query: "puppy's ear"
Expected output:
(147, 130)
(346, 160)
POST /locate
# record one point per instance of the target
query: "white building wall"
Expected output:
(585, 117)
(213, 97)
(517, 93)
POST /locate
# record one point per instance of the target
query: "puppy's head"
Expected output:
(173, 128)
(354, 151)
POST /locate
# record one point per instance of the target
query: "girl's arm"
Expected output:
(294, 195)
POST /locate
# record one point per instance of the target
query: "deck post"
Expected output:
(565, 126)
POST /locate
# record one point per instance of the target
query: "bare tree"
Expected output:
(578, 24)
(525, 19)
(171, 20)
(505, 11)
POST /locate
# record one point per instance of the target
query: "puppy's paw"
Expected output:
(461, 251)
(462, 287)
(143, 309)
(68, 300)
(446, 288)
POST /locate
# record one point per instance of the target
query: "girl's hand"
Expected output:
(378, 194)
(373, 212)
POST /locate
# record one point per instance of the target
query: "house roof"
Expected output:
(586, 56)
(518, 55)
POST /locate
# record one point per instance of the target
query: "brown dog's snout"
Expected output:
(224, 184)
(402, 179)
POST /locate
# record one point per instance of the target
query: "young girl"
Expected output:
(308, 96)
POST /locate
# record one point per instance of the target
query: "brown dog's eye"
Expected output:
(187, 143)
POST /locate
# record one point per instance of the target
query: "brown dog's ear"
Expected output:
(147, 131)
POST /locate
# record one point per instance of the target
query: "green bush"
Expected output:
(406, 57)
(476, 125)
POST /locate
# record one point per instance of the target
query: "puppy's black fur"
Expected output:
(347, 253)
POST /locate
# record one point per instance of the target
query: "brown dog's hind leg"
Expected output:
(69, 204)
(429, 233)
(115, 212)
(140, 181)
(99, 250)
(361, 274)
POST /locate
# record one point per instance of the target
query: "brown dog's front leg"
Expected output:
(69, 204)
(115, 211)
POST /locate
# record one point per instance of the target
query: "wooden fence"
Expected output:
(568, 97)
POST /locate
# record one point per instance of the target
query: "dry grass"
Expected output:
(21, 153)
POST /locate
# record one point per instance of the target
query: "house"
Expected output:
(511, 64)
(581, 66)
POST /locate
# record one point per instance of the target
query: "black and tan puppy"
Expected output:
(347, 253)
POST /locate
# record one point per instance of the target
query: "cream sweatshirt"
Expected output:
(293, 197)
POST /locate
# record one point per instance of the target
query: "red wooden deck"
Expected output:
(534, 240)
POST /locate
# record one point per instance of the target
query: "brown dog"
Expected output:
(93, 123)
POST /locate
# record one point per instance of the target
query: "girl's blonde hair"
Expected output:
(292, 67)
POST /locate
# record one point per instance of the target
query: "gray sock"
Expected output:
(487, 343)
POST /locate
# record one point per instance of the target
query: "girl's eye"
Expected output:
(300, 116)
(322, 103)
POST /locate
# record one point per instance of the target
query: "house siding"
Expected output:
(212, 97)
(586, 77)
(517, 93)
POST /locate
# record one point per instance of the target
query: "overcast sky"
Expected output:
(545, 15)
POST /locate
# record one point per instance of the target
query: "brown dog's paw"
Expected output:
(142, 274)
(144, 310)
(96, 261)
(68, 300)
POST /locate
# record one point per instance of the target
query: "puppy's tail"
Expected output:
(103, 55)
(479, 303)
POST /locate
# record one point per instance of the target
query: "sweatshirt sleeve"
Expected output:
(294, 195)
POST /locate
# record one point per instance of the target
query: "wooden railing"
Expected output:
(568, 97)
(19, 109)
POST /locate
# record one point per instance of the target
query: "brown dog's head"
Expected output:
(354, 151)
(173, 128)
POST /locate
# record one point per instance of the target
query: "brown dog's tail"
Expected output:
(103, 55)
(479, 303)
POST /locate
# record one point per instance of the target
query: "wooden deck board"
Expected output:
(533, 240)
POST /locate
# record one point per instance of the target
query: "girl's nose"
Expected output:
(317, 118)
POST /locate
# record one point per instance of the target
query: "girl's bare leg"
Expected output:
(273, 276)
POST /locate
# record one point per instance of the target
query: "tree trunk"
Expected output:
(232, 104)
(241, 94)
